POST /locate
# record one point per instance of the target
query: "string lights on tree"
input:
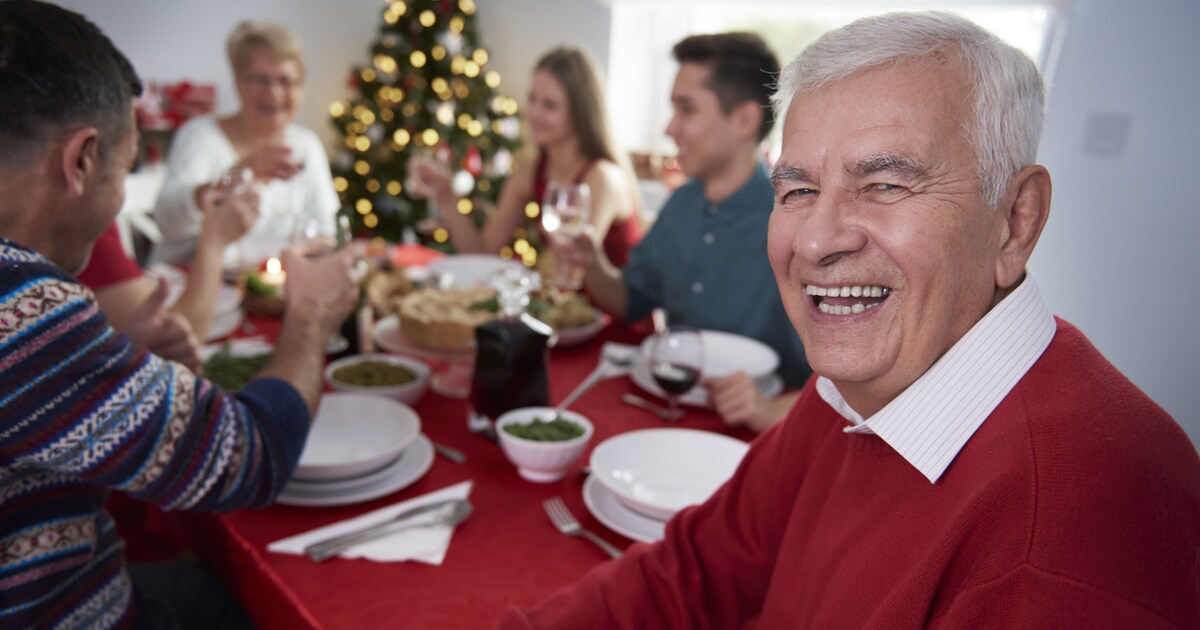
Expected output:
(426, 88)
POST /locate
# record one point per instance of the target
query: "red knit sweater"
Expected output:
(1075, 505)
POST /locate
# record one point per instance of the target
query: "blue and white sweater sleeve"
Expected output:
(80, 400)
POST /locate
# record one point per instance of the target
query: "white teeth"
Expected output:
(863, 291)
(845, 310)
(857, 290)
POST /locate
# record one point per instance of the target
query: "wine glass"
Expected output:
(676, 362)
(566, 210)
(419, 188)
(315, 237)
(233, 183)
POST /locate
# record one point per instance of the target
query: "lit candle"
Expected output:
(274, 274)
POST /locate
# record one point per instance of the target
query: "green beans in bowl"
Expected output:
(401, 378)
(527, 437)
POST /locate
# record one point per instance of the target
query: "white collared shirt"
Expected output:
(930, 422)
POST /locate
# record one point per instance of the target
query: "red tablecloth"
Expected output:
(507, 552)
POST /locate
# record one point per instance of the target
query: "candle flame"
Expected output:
(274, 266)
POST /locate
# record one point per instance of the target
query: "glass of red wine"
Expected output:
(676, 361)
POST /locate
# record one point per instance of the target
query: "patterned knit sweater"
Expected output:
(82, 411)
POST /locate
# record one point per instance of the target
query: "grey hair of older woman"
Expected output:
(1005, 124)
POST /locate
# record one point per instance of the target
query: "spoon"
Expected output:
(658, 410)
(611, 357)
(451, 512)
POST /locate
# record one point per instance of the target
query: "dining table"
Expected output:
(507, 553)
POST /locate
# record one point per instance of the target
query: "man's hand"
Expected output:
(227, 218)
(164, 333)
(739, 402)
(325, 287)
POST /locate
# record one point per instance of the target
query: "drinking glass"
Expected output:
(676, 362)
(314, 237)
(419, 188)
(566, 209)
(233, 183)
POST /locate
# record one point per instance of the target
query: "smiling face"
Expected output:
(702, 131)
(270, 90)
(884, 251)
(548, 110)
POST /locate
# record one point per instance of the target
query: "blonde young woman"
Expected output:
(260, 140)
(566, 121)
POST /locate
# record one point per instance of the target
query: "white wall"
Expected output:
(171, 41)
(1120, 253)
(1117, 258)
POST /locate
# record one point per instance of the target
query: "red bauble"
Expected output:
(472, 162)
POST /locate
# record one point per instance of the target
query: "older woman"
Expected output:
(566, 120)
(259, 143)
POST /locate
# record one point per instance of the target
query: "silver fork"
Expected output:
(566, 523)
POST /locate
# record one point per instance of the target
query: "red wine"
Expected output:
(674, 378)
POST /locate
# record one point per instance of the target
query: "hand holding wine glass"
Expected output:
(566, 210)
(676, 362)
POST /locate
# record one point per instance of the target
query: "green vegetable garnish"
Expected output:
(230, 372)
(374, 374)
(256, 286)
(557, 430)
(491, 305)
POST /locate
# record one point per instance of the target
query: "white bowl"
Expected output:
(355, 434)
(658, 472)
(541, 462)
(408, 393)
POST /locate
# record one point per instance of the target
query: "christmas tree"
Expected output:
(426, 89)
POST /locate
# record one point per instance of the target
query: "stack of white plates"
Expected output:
(724, 354)
(360, 447)
(227, 312)
(642, 478)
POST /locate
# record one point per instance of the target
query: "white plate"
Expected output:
(658, 472)
(228, 299)
(463, 271)
(354, 434)
(581, 334)
(245, 347)
(617, 517)
(770, 385)
(405, 471)
(726, 353)
(225, 324)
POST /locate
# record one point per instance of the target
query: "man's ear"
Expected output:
(747, 119)
(80, 158)
(1025, 215)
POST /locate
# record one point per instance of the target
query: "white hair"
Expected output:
(1005, 124)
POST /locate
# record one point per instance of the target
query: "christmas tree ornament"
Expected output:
(462, 183)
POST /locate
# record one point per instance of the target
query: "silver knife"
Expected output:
(329, 547)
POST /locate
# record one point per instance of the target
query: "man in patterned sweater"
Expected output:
(82, 410)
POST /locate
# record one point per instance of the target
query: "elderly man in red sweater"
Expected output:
(963, 459)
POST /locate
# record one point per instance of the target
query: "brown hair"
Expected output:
(278, 40)
(743, 68)
(573, 70)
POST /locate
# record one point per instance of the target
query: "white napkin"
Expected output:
(612, 350)
(422, 544)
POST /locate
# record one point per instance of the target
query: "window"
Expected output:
(641, 70)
